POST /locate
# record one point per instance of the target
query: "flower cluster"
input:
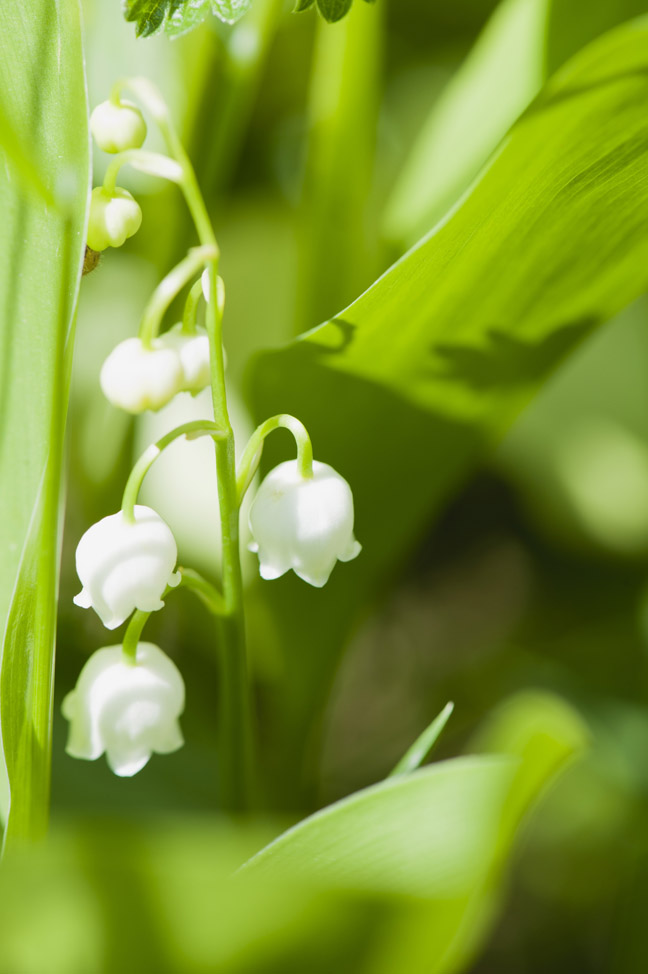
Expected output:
(128, 698)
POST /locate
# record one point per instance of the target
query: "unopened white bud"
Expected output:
(118, 127)
(125, 565)
(113, 218)
(193, 354)
(126, 710)
(136, 378)
(303, 523)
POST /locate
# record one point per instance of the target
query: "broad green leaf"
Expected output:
(432, 833)
(545, 734)
(42, 245)
(303, 5)
(442, 834)
(406, 388)
(23, 167)
(523, 42)
(417, 753)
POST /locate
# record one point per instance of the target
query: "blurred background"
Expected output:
(534, 574)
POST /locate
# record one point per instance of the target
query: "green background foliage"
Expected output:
(510, 579)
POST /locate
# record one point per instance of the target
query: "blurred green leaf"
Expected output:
(230, 10)
(524, 41)
(544, 734)
(432, 833)
(406, 388)
(41, 76)
(173, 16)
(332, 10)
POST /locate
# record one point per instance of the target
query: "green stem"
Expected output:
(199, 427)
(191, 309)
(152, 163)
(253, 450)
(235, 710)
(132, 635)
(207, 593)
(169, 287)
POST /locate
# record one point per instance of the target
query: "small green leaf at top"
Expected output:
(230, 10)
(331, 10)
(176, 17)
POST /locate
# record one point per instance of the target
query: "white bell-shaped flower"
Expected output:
(118, 127)
(126, 565)
(303, 523)
(136, 378)
(112, 219)
(193, 354)
(129, 710)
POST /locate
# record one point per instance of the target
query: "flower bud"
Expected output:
(136, 378)
(118, 127)
(193, 354)
(303, 523)
(129, 710)
(113, 218)
(125, 565)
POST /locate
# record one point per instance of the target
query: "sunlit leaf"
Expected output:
(432, 833)
(523, 42)
(42, 245)
(407, 387)
(173, 16)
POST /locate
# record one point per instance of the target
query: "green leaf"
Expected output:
(443, 834)
(333, 10)
(432, 833)
(302, 5)
(417, 753)
(523, 42)
(184, 18)
(174, 17)
(230, 10)
(405, 390)
(41, 249)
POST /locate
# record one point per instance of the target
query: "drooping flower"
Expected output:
(303, 523)
(136, 378)
(127, 709)
(112, 219)
(125, 565)
(117, 127)
(193, 353)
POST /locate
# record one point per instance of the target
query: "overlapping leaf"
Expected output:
(43, 196)
(405, 389)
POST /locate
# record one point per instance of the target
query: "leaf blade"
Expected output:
(412, 383)
(42, 250)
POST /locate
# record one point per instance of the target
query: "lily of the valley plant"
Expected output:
(128, 697)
